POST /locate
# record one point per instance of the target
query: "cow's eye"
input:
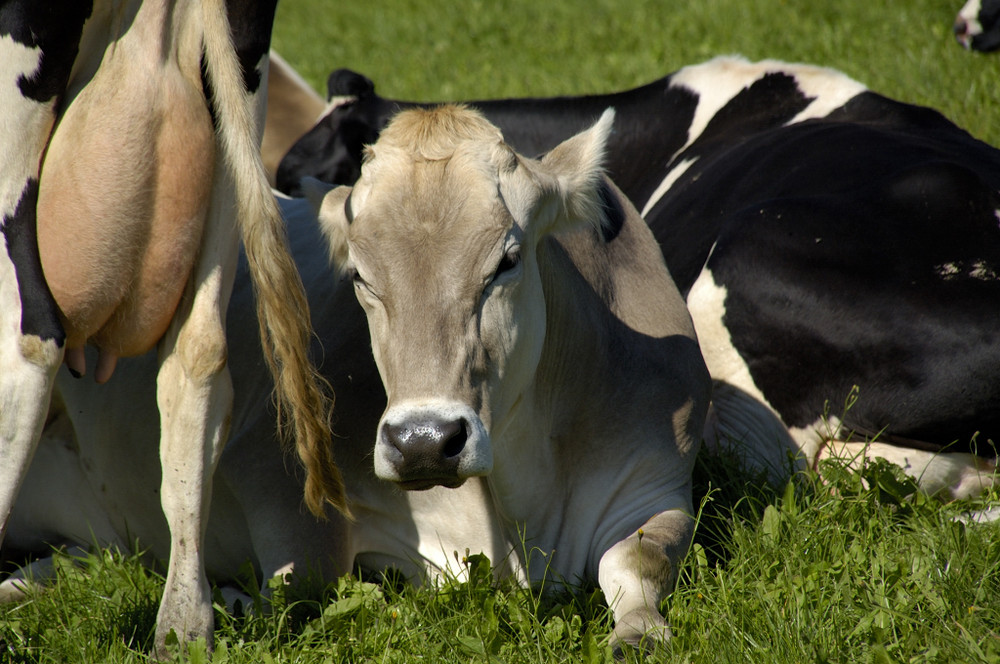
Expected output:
(360, 285)
(509, 263)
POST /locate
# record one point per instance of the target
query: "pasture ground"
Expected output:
(849, 571)
(853, 571)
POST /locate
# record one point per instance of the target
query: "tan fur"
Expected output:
(112, 256)
(285, 327)
(435, 133)
(518, 342)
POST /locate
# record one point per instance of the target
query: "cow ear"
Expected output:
(577, 165)
(330, 205)
(347, 83)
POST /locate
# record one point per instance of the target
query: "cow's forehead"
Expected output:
(417, 211)
(435, 195)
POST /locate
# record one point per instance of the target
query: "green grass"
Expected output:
(818, 572)
(812, 573)
(473, 49)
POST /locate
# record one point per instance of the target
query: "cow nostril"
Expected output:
(454, 445)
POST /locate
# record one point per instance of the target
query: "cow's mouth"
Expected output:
(423, 484)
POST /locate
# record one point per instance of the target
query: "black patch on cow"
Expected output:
(347, 83)
(55, 27)
(614, 213)
(865, 254)
(39, 314)
(651, 121)
(251, 22)
(688, 218)
(330, 156)
(769, 102)
(331, 151)
(989, 19)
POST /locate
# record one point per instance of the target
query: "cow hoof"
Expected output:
(643, 630)
(14, 590)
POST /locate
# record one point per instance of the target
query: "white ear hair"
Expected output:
(577, 164)
(328, 202)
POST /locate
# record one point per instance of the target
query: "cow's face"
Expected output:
(440, 237)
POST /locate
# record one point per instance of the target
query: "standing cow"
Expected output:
(130, 162)
(824, 236)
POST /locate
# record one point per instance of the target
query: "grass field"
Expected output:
(475, 49)
(804, 573)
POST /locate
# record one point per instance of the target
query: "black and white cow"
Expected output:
(825, 237)
(977, 25)
(129, 169)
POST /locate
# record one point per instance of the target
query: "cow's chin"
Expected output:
(424, 484)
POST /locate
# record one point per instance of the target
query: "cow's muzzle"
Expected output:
(420, 446)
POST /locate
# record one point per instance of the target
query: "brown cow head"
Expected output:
(440, 237)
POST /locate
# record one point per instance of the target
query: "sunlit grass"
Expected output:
(805, 573)
(856, 569)
(473, 49)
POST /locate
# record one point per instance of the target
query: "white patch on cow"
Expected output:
(19, 116)
(829, 88)
(956, 475)
(667, 183)
(27, 364)
(947, 271)
(979, 270)
(476, 458)
(336, 102)
(970, 14)
(707, 304)
(741, 417)
(715, 82)
(719, 80)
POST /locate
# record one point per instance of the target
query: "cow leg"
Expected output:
(26, 380)
(951, 474)
(37, 574)
(31, 349)
(194, 395)
(31, 337)
(28, 364)
(637, 573)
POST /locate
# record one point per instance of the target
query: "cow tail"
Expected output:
(282, 310)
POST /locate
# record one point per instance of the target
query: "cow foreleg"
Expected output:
(637, 573)
(194, 394)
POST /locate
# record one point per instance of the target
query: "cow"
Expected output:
(607, 445)
(130, 163)
(527, 331)
(835, 247)
(977, 25)
(293, 108)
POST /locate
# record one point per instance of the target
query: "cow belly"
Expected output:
(123, 198)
